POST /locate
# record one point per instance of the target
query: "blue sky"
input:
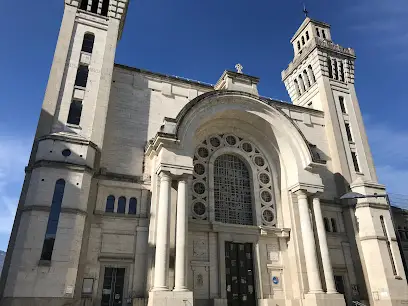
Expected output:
(198, 40)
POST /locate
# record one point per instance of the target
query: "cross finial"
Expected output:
(305, 11)
(239, 68)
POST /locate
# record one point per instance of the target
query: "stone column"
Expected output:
(324, 250)
(163, 235)
(309, 245)
(181, 237)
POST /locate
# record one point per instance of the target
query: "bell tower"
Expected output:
(51, 227)
(321, 76)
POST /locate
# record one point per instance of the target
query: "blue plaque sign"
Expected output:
(275, 280)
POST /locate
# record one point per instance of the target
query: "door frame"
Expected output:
(234, 233)
(116, 265)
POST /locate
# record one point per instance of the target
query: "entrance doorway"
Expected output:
(239, 270)
(112, 291)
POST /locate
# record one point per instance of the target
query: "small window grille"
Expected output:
(75, 111)
(342, 105)
(348, 131)
(355, 161)
(110, 204)
(94, 6)
(334, 225)
(88, 43)
(121, 205)
(82, 76)
(132, 206)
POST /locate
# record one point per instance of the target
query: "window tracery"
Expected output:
(235, 182)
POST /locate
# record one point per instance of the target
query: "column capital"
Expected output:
(301, 194)
(165, 176)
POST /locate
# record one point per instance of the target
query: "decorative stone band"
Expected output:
(373, 205)
(67, 210)
(373, 238)
(59, 164)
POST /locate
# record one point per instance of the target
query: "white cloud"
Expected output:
(14, 153)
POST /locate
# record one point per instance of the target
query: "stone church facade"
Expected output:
(149, 189)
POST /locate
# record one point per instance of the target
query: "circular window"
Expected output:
(199, 208)
(264, 178)
(66, 152)
(215, 142)
(199, 188)
(231, 140)
(202, 152)
(266, 196)
(247, 147)
(268, 215)
(259, 161)
(199, 169)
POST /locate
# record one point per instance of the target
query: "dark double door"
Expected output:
(239, 270)
(112, 291)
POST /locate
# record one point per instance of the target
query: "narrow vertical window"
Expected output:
(75, 111)
(307, 35)
(82, 76)
(341, 72)
(311, 74)
(303, 40)
(401, 233)
(105, 8)
(348, 131)
(334, 225)
(302, 84)
(323, 34)
(342, 105)
(121, 205)
(317, 32)
(394, 270)
(298, 45)
(329, 67)
(336, 70)
(94, 7)
(84, 5)
(297, 87)
(355, 161)
(110, 204)
(306, 77)
(326, 225)
(132, 206)
(53, 219)
(88, 43)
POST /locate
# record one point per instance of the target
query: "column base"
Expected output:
(323, 299)
(173, 298)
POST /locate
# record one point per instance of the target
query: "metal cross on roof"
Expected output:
(239, 68)
(305, 11)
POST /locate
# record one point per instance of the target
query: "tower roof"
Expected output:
(305, 24)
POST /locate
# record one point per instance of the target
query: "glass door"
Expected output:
(239, 274)
(113, 282)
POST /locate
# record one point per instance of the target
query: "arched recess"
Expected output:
(281, 134)
(252, 118)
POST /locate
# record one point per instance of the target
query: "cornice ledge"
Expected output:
(274, 231)
(372, 205)
(309, 188)
(176, 170)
